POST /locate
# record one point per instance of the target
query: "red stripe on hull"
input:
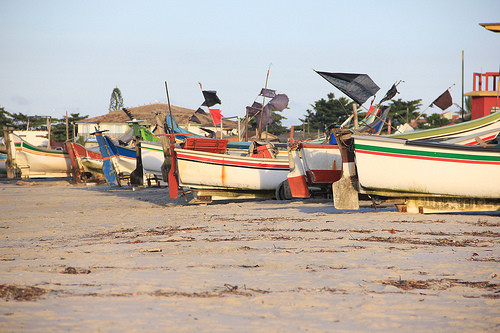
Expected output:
(438, 159)
(233, 163)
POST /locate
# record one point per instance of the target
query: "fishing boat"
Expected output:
(204, 167)
(86, 163)
(315, 164)
(37, 162)
(434, 177)
(117, 162)
(468, 128)
(3, 167)
(152, 159)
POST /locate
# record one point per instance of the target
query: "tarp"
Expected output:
(359, 87)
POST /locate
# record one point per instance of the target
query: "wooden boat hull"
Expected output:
(472, 127)
(318, 164)
(394, 167)
(36, 162)
(152, 158)
(204, 170)
(322, 163)
(3, 168)
(87, 164)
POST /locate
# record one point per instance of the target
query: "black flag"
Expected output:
(195, 119)
(210, 98)
(444, 101)
(359, 87)
(200, 111)
(390, 94)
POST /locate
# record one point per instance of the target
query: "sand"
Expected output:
(98, 259)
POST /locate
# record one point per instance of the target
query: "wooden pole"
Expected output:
(239, 128)
(263, 103)
(9, 164)
(463, 112)
(170, 109)
(49, 123)
(246, 127)
(67, 127)
(355, 112)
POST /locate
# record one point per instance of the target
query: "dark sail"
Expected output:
(359, 87)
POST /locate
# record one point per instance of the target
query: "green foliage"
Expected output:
(58, 127)
(19, 121)
(116, 101)
(436, 120)
(326, 112)
(403, 111)
(5, 119)
(276, 127)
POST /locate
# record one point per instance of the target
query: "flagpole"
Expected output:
(432, 103)
(206, 102)
(263, 103)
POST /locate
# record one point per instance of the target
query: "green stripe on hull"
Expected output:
(40, 150)
(441, 131)
(423, 153)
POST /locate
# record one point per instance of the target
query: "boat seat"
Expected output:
(217, 146)
(267, 150)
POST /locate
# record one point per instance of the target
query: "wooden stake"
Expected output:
(355, 112)
(9, 164)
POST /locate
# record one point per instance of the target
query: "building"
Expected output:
(485, 94)
(115, 122)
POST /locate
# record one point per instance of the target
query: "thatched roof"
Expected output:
(148, 113)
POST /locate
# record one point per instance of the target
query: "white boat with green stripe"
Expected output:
(402, 168)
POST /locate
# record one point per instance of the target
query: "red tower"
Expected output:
(485, 94)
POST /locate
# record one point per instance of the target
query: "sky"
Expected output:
(68, 56)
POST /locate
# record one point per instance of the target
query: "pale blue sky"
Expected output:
(59, 56)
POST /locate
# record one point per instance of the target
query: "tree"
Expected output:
(404, 111)
(276, 127)
(19, 121)
(326, 112)
(58, 129)
(116, 101)
(5, 119)
(436, 120)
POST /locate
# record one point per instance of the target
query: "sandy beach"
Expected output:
(101, 259)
